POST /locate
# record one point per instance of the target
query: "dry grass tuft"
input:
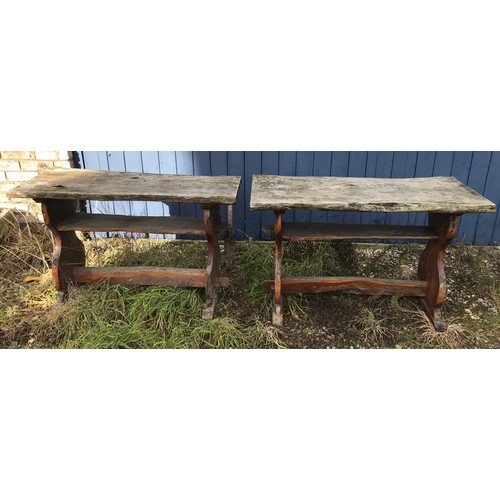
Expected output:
(373, 327)
(25, 251)
(456, 336)
(101, 316)
(26, 246)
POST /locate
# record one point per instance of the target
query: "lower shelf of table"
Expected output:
(145, 276)
(136, 224)
(318, 231)
(365, 286)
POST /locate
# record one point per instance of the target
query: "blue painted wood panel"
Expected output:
(304, 166)
(383, 169)
(218, 163)
(423, 168)
(253, 166)
(236, 166)
(168, 165)
(371, 166)
(185, 166)
(133, 163)
(480, 170)
(270, 166)
(357, 168)
(287, 166)
(339, 168)
(488, 225)
(403, 167)
(116, 163)
(150, 161)
(321, 167)
(477, 181)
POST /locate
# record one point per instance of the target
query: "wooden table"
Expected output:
(59, 192)
(444, 198)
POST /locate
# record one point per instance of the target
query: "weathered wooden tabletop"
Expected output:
(101, 185)
(425, 194)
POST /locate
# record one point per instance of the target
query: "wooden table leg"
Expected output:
(431, 266)
(229, 241)
(211, 217)
(69, 251)
(277, 319)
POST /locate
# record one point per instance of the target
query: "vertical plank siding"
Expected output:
(150, 162)
(185, 166)
(167, 164)
(253, 166)
(303, 166)
(357, 168)
(236, 166)
(479, 169)
(403, 166)
(116, 163)
(488, 225)
(270, 166)
(339, 168)
(287, 165)
(476, 179)
(218, 163)
(322, 166)
(133, 163)
(383, 169)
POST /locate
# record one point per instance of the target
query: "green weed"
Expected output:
(104, 317)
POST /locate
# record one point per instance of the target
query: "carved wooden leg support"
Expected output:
(211, 217)
(69, 251)
(229, 241)
(277, 319)
(431, 267)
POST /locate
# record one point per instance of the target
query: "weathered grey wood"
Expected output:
(318, 231)
(425, 194)
(134, 224)
(101, 185)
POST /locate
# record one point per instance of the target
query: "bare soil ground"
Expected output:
(102, 316)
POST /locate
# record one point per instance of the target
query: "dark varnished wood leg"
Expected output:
(211, 217)
(277, 319)
(69, 251)
(431, 267)
(229, 241)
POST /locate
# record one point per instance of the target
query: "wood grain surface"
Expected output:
(317, 231)
(102, 185)
(365, 286)
(145, 276)
(424, 194)
(134, 224)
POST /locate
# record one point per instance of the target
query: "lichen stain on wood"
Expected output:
(101, 185)
(424, 194)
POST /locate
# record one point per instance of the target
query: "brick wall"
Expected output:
(19, 166)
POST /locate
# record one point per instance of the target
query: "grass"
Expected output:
(100, 316)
